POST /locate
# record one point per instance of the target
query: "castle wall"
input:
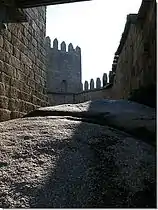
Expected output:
(22, 65)
(136, 65)
(66, 98)
(102, 93)
(61, 98)
(89, 93)
(63, 68)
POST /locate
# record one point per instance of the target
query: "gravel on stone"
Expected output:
(66, 162)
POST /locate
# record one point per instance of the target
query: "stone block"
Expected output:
(1, 41)
(2, 88)
(26, 88)
(4, 114)
(16, 52)
(15, 41)
(2, 54)
(25, 96)
(9, 70)
(8, 47)
(29, 107)
(4, 78)
(1, 65)
(4, 102)
(26, 60)
(13, 104)
(16, 114)
(34, 99)
(22, 106)
(31, 83)
(14, 62)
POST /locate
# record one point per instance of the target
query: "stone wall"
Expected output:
(63, 68)
(102, 93)
(61, 98)
(136, 66)
(86, 95)
(92, 90)
(22, 65)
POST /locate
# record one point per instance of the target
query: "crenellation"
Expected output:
(55, 44)
(111, 77)
(48, 42)
(86, 85)
(98, 83)
(105, 79)
(78, 50)
(70, 48)
(91, 84)
(63, 46)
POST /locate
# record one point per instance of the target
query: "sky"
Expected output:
(95, 26)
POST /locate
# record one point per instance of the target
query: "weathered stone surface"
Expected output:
(5, 114)
(17, 60)
(129, 116)
(69, 161)
(136, 67)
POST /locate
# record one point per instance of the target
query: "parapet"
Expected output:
(98, 82)
(71, 49)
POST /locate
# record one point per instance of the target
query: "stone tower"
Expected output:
(63, 68)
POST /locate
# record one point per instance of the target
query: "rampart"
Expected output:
(92, 90)
(22, 65)
(136, 63)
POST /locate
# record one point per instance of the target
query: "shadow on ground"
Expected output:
(96, 167)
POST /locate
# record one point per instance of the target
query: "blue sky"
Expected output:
(96, 26)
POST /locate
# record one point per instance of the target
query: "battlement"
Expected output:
(63, 47)
(96, 85)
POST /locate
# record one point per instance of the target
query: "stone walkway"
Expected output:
(93, 154)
